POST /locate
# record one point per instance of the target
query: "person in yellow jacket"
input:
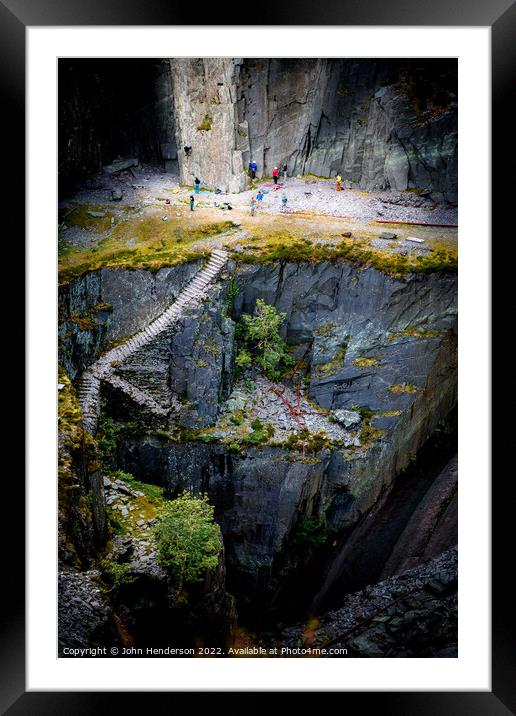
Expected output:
(338, 185)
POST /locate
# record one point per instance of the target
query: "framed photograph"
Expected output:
(258, 354)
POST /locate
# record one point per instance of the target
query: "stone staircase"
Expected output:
(103, 368)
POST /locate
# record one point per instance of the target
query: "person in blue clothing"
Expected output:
(192, 201)
(252, 169)
(284, 200)
(197, 185)
(259, 196)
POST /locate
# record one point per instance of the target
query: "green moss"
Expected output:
(324, 370)
(238, 417)
(211, 347)
(310, 534)
(206, 124)
(117, 575)
(414, 333)
(79, 217)
(402, 388)
(369, 435)
(365, 362)
(287, 246)
(324, 330)
(154, 492)
(307, 442)
(156, 244)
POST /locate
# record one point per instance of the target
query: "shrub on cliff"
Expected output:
(189, 540)
(261, 342)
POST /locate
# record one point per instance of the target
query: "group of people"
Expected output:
(256, 200)
(253, 168)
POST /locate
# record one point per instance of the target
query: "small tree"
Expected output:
(189, 540)
(261, 339)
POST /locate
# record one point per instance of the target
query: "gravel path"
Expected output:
(151, 187)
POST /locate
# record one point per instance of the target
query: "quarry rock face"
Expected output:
(387, 345)
(380, 124)
(349, 117)
(205, 92)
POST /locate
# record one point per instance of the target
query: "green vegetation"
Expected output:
(287, 246)
(414, 333)
(310, 534)
(206, 124)
(324, 330)
(261, 343)
(332, 366)
(260, 433)
(369, 435)
(233, 292)
(117, 575)
(189, 540)
(402, 388)
(365, 362)
(143, 242)
(108, 433)
(69, 411)
(152, 491)
(80, 217)
(307, 442)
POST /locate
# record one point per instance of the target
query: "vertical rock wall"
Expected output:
(205, 93)
(384, 124)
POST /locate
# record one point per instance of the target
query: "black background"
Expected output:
(501, 16)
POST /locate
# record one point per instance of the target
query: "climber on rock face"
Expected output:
(252, 168)
(188, 150)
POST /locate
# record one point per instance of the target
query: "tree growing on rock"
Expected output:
(261, 342)
(189, 540)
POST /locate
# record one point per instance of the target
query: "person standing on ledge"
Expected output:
(284, 170)
(275, 174)
(338, 185)
(253, 205)
(192, 200)
(252, 169)
(197, 185)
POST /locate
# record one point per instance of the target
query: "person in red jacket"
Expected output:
(275, 174)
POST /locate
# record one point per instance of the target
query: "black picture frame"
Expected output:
(500, 16)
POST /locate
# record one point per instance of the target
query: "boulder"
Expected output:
(348, 418)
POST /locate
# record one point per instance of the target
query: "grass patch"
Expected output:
(154, 492)
(402, 388)
(307, 442)
(324, 330)
(290, 245)
(364, 362)
(154, 244)
(206, 124)
(414, 333)
(332, 366)
(80, 218)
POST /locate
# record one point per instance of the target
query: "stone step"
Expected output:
(89, 390)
